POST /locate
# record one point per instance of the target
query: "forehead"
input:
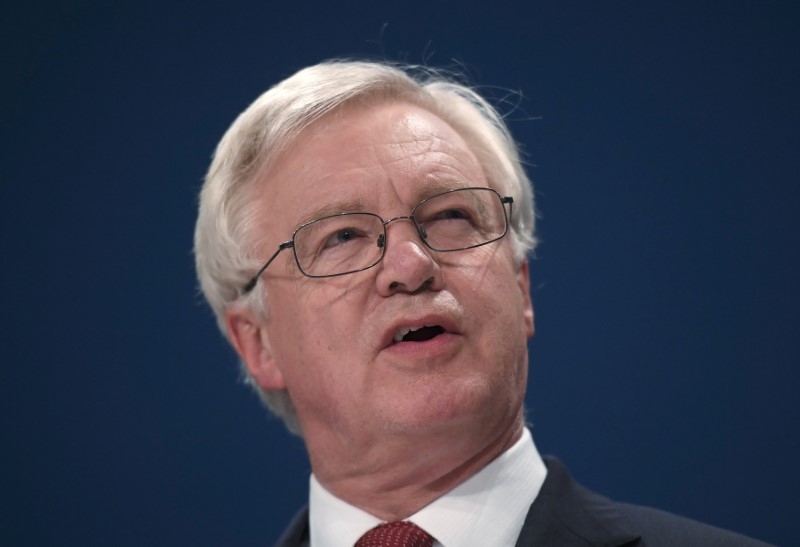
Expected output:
(360, 157)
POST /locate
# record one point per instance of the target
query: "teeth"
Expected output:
(398, 336)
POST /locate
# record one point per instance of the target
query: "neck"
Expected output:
(395, 478)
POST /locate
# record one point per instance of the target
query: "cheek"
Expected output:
(500, 306)
(316, 324)
(488, 276)
(331, 312)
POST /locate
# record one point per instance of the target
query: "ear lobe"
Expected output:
(251, 342)
(524, 282)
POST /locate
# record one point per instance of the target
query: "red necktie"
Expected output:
(396, 534)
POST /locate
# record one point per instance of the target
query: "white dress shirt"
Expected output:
(486, 510)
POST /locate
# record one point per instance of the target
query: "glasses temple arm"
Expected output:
(252, 283)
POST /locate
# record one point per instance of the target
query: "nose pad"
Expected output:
(419, 229)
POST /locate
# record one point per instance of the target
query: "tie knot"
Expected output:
(396, 534)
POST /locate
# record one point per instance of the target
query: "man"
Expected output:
(362, 240)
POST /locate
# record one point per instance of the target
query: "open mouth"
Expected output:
(419, 334)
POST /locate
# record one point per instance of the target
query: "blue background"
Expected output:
(663, 141)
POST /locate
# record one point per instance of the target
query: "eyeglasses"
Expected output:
(346, 243)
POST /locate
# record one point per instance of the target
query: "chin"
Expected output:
(449, 410)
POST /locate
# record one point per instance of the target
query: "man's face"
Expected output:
(330, 341)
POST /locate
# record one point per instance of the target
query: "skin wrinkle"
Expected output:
(400, 146)
(441, 179)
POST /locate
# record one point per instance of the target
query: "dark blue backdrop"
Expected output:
(663, 140)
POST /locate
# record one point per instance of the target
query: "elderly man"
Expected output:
(362, 240)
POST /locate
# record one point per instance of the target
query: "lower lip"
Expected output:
(437, 347)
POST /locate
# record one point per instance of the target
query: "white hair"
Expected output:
(226, 232)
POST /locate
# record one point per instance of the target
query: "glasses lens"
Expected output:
(338, 244)
(461, 219)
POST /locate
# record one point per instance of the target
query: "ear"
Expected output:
(251, 341)
(524, 282)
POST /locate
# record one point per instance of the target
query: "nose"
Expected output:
(408, 265)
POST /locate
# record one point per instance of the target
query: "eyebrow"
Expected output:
(440, 187)
(356, 205)
(333, 208)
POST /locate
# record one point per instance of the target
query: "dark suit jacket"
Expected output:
(565, 514)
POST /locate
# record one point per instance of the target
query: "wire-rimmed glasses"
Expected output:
(346, 243)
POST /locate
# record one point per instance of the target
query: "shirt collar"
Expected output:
(488, 509)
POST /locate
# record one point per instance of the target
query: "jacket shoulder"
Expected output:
(662, 528)
(567, 514)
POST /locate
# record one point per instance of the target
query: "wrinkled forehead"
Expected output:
(358, 152)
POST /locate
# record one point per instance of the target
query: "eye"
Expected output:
(452, 214)
(341, 237)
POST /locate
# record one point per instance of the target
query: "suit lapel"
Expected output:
(568, 515)
(297, 534)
